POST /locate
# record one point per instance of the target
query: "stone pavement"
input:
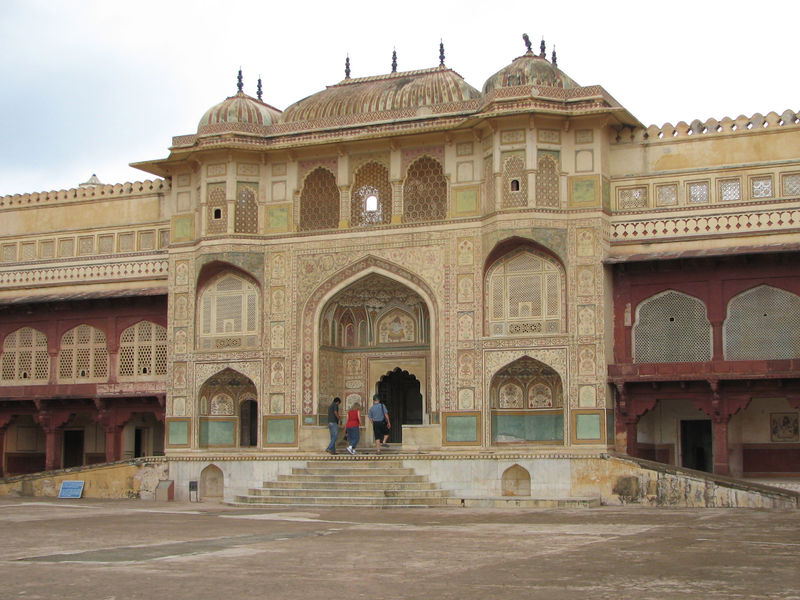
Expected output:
(92, 549)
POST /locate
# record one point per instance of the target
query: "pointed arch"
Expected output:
(83, 355)
(671, 327)
(516, 481)
(371, 196)
(143, 352)
(228, 313)
(319, 201)
(424, 191)
(310, 317)
(762, 323)
(524, 292)
(25, 358)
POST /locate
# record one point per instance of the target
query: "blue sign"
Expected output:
(71, 489)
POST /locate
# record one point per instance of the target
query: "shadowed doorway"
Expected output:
(399, 391)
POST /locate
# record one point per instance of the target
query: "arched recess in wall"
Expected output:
(516, 481)
(371, 196)
(762, 323)
(143, 352)
(25, 358)
(212, 482)
(319, 201)
(221, 401)
(424, 191)
(83, 355)
(527, 403)
(319, 311)
(671, 327)
(524, 291)
(228, 309)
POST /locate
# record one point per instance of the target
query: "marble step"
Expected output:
(355, 485)
(346, 491)
(340, 501)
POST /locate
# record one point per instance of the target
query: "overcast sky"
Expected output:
(90, 86)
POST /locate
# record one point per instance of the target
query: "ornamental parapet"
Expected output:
(136, 188)
(741, 125)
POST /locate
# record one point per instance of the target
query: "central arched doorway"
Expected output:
(400, 391)
(370, 333)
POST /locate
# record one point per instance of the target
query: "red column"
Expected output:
(51, 421)
(631, 443)
(53, 443)
(113, 442)
(719, 426)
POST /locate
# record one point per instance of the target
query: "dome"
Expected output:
(410, 90)
(529, 69)
(240, 108)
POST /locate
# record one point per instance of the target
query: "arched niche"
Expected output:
(212, 482)
(221, 400)
(516, 481)
(526, 400)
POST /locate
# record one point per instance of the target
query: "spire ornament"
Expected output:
(259, 94)
(527, 41)
(542, 48)
(441, 53)
(347, 67)
(554, 60)
(394, 61)
(239, 84)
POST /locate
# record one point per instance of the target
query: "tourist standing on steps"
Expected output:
(333, 424)
(351, 427)
(380, 422)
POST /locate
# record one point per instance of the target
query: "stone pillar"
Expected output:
(344, 206)
(397, 201)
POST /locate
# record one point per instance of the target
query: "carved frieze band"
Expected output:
(144, 269)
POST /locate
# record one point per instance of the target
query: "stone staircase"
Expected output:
(360, 481)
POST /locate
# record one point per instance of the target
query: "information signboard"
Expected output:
(71, 489)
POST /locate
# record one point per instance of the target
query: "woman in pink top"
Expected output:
(352, 425)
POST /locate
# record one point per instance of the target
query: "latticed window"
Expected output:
(697, 192)
(633, 198)
(515, 183)
(524, 294)
(143, 351)
(245, 218)
(424, 192)
(730, 189)
(762, 324)
(547, 181)
(671, 327)
(791, 185)
(25, 357)
(228, 314)
(371, 198)
(319, 201)
(83, 355)
(217, 209)
(761, 187)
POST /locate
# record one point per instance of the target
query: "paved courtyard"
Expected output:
(133, 549)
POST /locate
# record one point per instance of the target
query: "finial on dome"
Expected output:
(239, 84)
(554, 60)
(441, 53)
(527, 41)
(394, 61)
(542, 48)
(347, 67)
(258, 89)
